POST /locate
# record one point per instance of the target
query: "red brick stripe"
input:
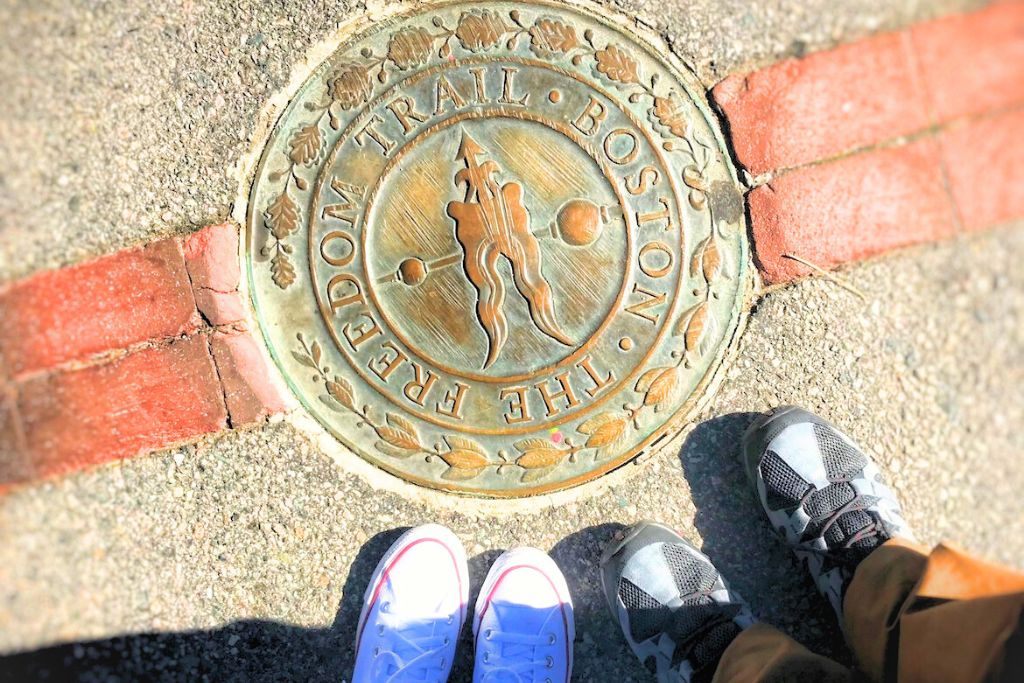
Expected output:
(149, 399)
(113, 358)
(868, 147)
(107, 304)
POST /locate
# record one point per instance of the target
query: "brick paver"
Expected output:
(973, 63)
(211, 256)
(985, 162)
(249, 391)
(149, 399)
(804, 110)
(103, 305)
(850, 209)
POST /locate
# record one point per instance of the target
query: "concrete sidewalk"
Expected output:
(244, 556)
(126, 122)
(249, 555)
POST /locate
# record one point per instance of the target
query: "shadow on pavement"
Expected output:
(739, 540)
(251, 650)
(241, 651)
(272, 651)
(736, 537)
(601, 652)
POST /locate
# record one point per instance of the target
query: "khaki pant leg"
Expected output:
(762, 654)
(943, 616)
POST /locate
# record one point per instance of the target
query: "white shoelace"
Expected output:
(516, 655)
(416, 652)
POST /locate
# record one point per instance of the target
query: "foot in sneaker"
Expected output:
(823, 495)
(413, 610)
(523, 625)
(676, 611)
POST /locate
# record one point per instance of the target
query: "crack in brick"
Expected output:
(220, 380)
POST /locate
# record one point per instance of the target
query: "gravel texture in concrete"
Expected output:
(125, 121)
(246, 558)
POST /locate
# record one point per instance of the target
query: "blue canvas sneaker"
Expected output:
(414, 609)
(523, 625)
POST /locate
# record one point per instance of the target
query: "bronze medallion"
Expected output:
(497, 247)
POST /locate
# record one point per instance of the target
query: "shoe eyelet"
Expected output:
(376, 652)
(551, 639)
(547, 680)
(451, 619)
(487, 634)
(384, 606)
(487, 657)
(447, 640)
(550, 663)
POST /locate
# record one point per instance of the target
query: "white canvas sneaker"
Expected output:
(523, 625)
(413, 610)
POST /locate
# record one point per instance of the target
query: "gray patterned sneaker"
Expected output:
(822, 494)
(676, 611)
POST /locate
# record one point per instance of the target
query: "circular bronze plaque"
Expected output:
(497, 247)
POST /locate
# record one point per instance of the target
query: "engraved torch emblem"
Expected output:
(491, 223)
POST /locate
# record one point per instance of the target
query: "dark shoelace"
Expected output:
(692, 642)
(856, 545)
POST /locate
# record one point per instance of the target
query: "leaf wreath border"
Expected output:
(353, 83)
(658, 388)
